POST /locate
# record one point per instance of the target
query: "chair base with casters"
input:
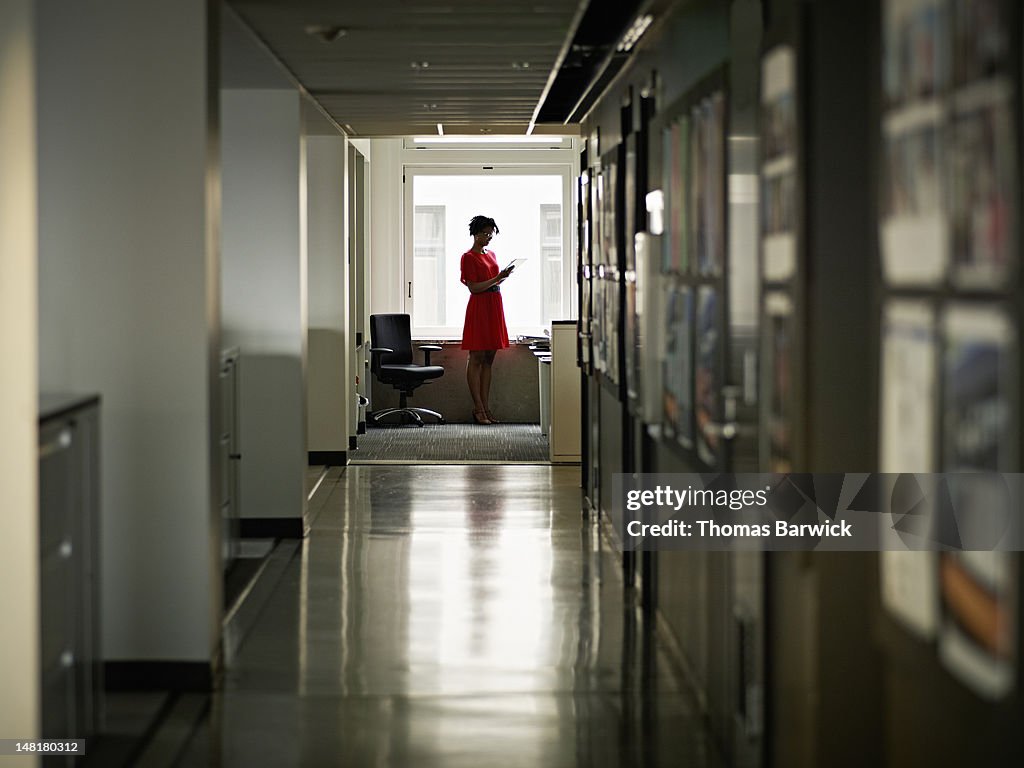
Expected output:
(391, 363)
(413, 413)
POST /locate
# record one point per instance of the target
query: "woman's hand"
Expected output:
(505, 272)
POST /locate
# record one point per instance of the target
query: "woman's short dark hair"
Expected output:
(479, 223)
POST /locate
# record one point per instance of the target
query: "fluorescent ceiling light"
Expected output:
(635, 32)
(440, 130)
(486, 139)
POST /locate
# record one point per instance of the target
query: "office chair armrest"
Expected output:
(427, 349)
(380, 350)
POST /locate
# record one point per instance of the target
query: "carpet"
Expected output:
(452, 444)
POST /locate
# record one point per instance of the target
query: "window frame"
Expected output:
(565, 170)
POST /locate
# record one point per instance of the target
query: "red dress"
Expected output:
(485, 314)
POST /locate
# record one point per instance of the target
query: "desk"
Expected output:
(564, 435)
(542, 351)
(544, 383)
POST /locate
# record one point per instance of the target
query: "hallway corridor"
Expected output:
(450, 616)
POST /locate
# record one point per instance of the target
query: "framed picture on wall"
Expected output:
(609, 210)
(631, 374)
(778, 166)
(694, 238)
(978, 624)
(677, 369)
(981, 401)
(708, 380)
(914, 231)
(596, 223)
(981, 39)
(981, 398)
(598, 340)
(915, 50)
(909, 586)
(629, 202)
(706, 197)
(908, 432)
(779, 372)
(916, 74)
(612, 324)
(651, 318)
(717, 171)
(676, 157)
(586, 321)
(983, 173)
(908, 391)
(630, 328)
(584, 352)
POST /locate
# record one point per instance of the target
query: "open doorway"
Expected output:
(531, 204)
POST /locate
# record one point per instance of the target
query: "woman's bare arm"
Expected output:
(486, 285)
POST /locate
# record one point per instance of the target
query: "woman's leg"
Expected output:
(474, 369)
(485, 380)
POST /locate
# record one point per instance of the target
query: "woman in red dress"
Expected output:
(484, 332)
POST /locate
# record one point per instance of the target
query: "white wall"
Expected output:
(263, 261)
(328, 429)
(386, 226)
(128, 303)
(19, 543)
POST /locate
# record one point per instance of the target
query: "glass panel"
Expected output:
(428, 263)
(551, 259)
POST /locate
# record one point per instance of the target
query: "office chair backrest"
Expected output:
(393, 332)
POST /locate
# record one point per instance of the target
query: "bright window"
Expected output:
(529, 205)
(428, 231)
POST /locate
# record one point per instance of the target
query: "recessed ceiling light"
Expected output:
(635, 32)
(520, 65)
(420, 64)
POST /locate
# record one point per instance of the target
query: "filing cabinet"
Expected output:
(69, 589)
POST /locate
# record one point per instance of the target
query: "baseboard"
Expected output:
(243, 615)
(272, 528)
(158, 676)
(328, 458)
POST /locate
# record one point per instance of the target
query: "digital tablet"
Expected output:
(514, 263)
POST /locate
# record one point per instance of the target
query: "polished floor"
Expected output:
(455, 616)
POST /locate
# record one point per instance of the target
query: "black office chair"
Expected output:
(391, 362)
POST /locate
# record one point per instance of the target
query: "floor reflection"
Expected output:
(451, 616)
